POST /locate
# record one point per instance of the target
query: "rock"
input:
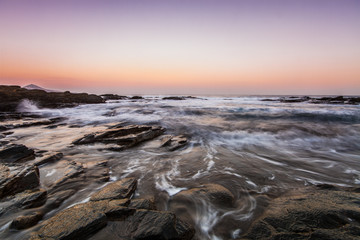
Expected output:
(173, 98)
(15, 179)
(48, 158)
(310, 213)
(214, 193)
(11, 96)
(28, 123)
(123, 188)
(16, 153)
(142, 204)
(174, 142)
(24, 200)
(113, 97)
(26, 221)
(147, 224)
(136, 97)
(124, 137)
(77, 222)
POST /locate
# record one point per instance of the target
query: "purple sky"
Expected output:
(203, 46)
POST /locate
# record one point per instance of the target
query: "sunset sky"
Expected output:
(182, 47)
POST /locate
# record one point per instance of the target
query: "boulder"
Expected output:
(310, 213)
(124, 137)
(123, 188)
(16, 153)
(174, 142)
(16, 178)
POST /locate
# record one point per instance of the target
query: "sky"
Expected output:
(246, 47)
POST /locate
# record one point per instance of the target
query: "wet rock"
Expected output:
(72, 170)
(48, 158)
(29, 123)
(16, 178)
(142, 204)
(123, 188)
(26, 221)
(57, 198)
(16, 153)
(173, 142)
(310, 213)
(147, 224)
(24, 200)
(214, 193)
(77, 222)
(124, 137)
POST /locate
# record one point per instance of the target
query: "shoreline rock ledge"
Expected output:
(111, 214)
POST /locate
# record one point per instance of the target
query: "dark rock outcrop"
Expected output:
(124, 137)
(136, 97)
(322, 100)
(310, 213)
(113, 97)
(16, 153)
(11, 96)
(17, 178)
(123, 188)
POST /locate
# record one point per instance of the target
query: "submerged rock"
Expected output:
(48, 158)
(16, 153)
(113, 97)
(213, 193)
(320, 213)
(124, 137)
(123, 188)
(17, 178)
(174, 142)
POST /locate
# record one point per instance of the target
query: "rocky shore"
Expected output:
(11, 96)
(317, 100)
(33, 207)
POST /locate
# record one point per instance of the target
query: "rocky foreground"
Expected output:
(114, 211)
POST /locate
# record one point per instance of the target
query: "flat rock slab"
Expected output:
(17, 178)
(310, 213)
(77, 222)
(123, 188)
(124, 137)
